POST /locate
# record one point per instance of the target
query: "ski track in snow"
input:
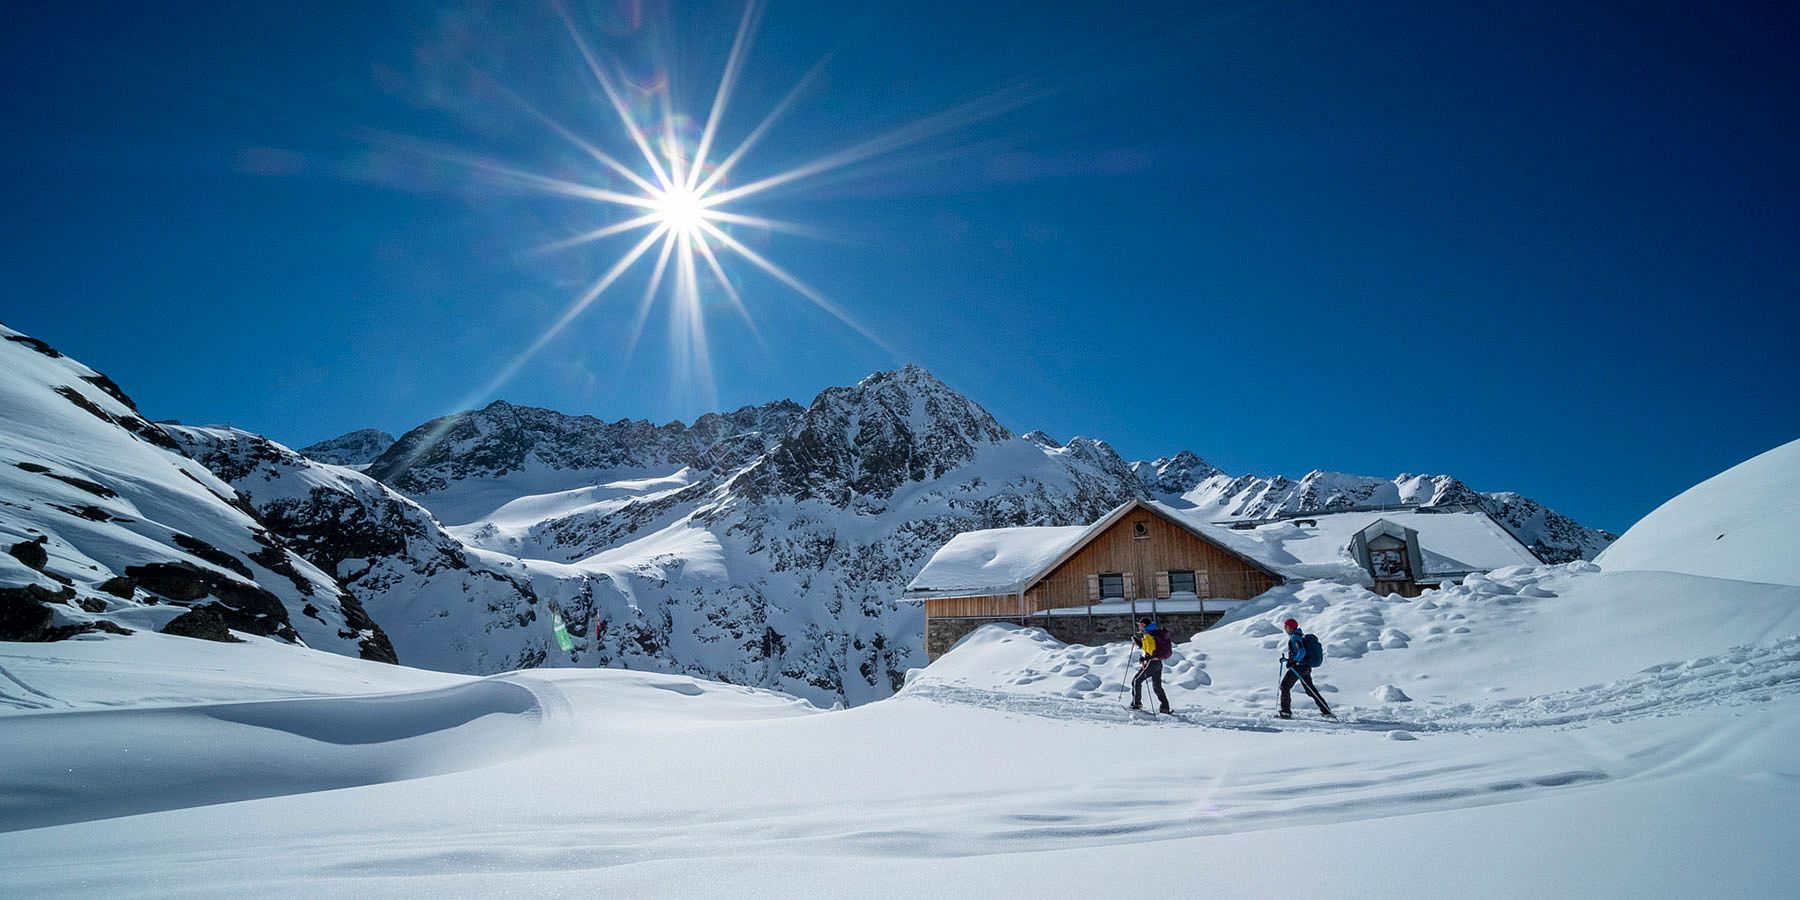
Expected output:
(1752, 673)
(27, 702)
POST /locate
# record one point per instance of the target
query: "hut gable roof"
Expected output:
(1002, 561)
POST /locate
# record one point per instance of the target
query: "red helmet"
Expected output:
(1290, 624)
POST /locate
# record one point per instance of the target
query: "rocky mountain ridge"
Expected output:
(357, 448)
(763, 546)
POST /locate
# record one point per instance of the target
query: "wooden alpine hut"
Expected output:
(1089, 584)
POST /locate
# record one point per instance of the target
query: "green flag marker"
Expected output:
(562, 632)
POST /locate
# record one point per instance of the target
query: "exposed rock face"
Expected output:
(380, 545)
(502, 439)
(106, 520)
(868, 440)
(1175, 475)
(358, 448)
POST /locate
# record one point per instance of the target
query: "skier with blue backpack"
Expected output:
(1303, 653)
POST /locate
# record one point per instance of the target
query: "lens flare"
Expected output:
(677, 201)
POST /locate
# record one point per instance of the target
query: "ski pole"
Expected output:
(1129, 659)
(1310, 692)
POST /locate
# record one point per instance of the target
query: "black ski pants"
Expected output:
(1152, 670)
(1304, 676)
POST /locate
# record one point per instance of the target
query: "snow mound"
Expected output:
(1743, 523)
(78, 766)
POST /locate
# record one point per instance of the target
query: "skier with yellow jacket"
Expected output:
(1156, 643)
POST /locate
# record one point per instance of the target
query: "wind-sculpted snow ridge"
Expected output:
(107, 528)
(76, 766)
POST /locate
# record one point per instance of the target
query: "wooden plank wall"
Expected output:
(1167, 546)
(982, 607)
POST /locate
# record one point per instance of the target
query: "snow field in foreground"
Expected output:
(1589, 735)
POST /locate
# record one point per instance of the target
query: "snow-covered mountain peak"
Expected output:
(356, 448)
(504, 439)
(868, 439)
(1173, 475)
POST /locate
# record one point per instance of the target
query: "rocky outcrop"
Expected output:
(106, 520)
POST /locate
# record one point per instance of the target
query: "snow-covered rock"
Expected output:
(445, 605)
(110, 528)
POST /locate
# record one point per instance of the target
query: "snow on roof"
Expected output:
(1451, 543)
(993, 561)
(1002, 561)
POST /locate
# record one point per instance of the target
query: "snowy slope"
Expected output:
(1530, 761)
(1743, 523)
(109, 528)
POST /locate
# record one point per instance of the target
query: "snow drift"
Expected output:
(1743, 523)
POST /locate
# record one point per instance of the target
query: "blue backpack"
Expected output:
(1314, 651)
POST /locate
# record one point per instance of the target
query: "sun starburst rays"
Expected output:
(679, 199)
(678, 195)
(681, 203)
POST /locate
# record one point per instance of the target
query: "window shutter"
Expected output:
(1093, 588)
(1202, 584)
(1130, 587)
(1162, 585)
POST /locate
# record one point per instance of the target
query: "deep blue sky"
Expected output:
(1546, 249)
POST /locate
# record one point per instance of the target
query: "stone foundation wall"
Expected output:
(941, 633)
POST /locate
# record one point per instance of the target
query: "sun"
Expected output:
(678, 205)
(681, 210)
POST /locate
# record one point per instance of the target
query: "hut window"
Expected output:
(1112, 586)
(1388, 564)
(1140, 529)
(1181, 582)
